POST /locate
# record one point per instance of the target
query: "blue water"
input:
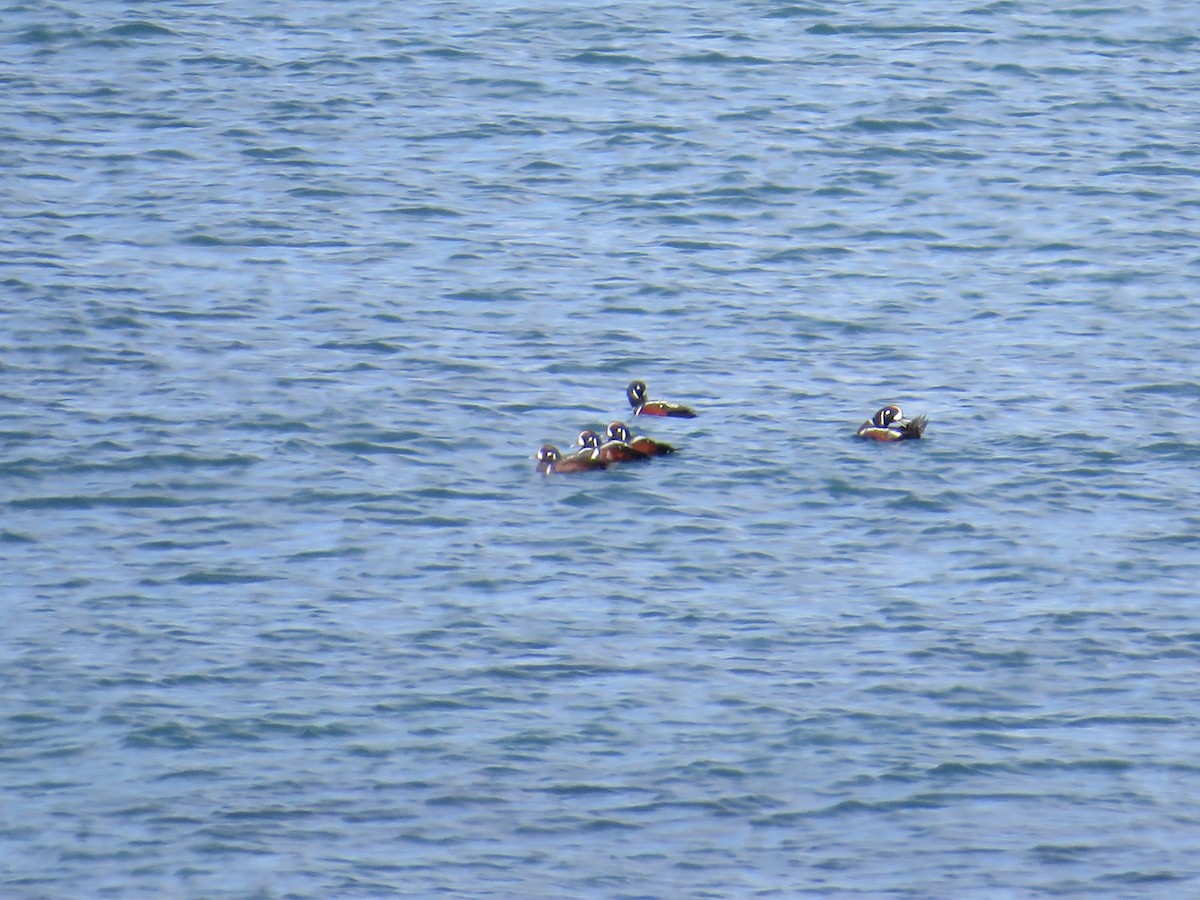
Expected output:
(292, 296)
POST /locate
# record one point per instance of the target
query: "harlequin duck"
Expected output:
(617, 431)
(889, 424)
(610, 451)
(551, 461)
(636, 393)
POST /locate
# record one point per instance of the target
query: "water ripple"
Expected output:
(294, 298)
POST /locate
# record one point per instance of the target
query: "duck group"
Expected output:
(618, 444)
(593, 452)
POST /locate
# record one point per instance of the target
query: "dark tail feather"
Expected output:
(917, 425)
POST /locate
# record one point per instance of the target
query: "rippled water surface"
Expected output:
(291, 298)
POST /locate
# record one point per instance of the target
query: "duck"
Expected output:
(636, 394)
(611, 450)
(618, 431)
(550, 461)
(889, 424)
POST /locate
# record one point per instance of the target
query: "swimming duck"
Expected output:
(889, 424)
(610, 450)
(636, 394)
(551, 461)
(618, 431)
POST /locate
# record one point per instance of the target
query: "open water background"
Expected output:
(290, 297)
